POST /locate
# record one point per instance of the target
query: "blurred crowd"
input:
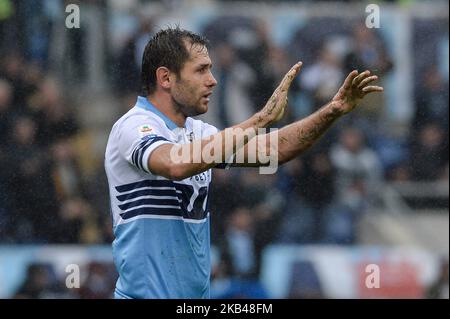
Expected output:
(47, 197)
(42, 282)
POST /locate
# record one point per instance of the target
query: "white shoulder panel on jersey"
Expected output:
(139, 134)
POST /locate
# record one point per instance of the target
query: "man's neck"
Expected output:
(166, 106)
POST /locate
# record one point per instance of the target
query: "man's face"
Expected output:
(195, 82)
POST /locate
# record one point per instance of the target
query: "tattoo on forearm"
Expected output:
(326, 117)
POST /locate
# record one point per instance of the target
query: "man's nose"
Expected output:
(212, 82)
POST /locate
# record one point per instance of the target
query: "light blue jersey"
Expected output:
(162, 237)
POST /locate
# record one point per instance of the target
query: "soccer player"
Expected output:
(160, 203)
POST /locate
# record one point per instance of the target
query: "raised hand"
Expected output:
(355, 88)
(273, 111)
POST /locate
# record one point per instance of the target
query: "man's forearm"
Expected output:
(226, 142)
(297, 137)
(184, 160)
(290, 141)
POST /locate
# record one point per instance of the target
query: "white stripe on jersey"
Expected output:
(148, 187)
(149, 197)
(186, 220)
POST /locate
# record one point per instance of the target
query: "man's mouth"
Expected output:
(207, 95)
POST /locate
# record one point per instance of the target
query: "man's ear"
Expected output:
(163, 77)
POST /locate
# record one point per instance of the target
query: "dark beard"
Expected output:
(187, 110)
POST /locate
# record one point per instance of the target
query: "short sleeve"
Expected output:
(139, 137)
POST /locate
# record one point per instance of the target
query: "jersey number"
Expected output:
(192, 206)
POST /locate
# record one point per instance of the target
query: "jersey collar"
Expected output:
(142, 102)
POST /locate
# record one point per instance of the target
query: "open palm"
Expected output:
(355, 88)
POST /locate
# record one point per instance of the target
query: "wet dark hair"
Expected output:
(166, 48)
